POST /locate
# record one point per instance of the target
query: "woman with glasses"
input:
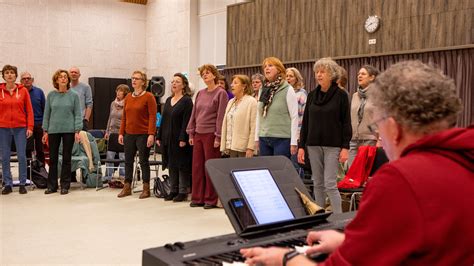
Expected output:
(16, 121)
(62, 122)
(362, 110)
(137, 132)
(173, 139)
(326, 132)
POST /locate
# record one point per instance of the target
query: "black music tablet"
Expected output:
(262, 195)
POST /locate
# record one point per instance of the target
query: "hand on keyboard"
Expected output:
(324, 241)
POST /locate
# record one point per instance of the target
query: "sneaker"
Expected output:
(7, 190)
(180, 197)
(23, 189)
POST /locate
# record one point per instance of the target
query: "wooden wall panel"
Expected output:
(302, 30)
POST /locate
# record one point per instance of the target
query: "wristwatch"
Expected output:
(289, 255)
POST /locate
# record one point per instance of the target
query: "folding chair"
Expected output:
(29, 160)
(154, 167)
(113, 164)
(356, 193)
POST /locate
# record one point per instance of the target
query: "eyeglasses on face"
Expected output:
(135, 78)
(373, 127)
(26, 78)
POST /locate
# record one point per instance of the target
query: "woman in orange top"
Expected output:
(137, 132)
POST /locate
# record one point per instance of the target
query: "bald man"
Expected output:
(85, 95)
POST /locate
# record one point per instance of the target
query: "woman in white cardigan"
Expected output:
(238, 126)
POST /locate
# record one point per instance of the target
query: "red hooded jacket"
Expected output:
(15, 109)
(418, 210)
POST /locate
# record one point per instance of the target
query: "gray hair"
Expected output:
(258, 76)
(26, 73)
(328, 64)
(419, 97)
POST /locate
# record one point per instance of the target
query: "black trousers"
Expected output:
(180, 180)
(132, 144)
(68, 143)
(38, 143)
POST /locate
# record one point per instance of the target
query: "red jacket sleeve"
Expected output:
(152, 107)
(388, 226)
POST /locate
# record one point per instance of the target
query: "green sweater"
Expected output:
(62, 113)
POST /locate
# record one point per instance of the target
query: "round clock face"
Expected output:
(372, 23)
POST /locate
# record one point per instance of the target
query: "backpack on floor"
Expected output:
(39, 175)
(162, 186)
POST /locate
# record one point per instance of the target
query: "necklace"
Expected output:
(134, 94)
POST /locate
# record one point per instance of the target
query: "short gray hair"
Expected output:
(330, 65)
(418, 96)
(258, 76)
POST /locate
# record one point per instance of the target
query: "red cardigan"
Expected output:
(418, 210)
(15, 109)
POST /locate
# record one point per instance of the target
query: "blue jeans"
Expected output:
(274, 146)
(110, 170)
(19, 135)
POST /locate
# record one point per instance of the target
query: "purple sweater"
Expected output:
(208, 113)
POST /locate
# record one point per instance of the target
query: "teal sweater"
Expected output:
(62, 113)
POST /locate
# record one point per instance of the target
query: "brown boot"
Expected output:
(126, 190)
(145, 192)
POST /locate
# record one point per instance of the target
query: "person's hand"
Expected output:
(120, 139)
(293, 149)
(182, 144)
(249, 153)
(343, 155)
(301, 156)
(191, 142)
(158, 142)
(257, 148)
(106, 136)
(264, 256)
(150, 140)
(29, 133)
(217, 144)
(324, 241)
(77, 138)
(45, 138)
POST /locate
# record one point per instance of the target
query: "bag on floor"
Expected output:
(162, 186)
(359, 171)
(39, 175)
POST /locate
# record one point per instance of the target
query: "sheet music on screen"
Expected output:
(262, 195)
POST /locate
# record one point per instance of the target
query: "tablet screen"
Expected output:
(263, 196)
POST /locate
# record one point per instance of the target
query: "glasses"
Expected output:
(373, 127)
(134, 78)
(26, 78)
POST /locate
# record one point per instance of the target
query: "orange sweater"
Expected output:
(15, 109)
(139, 115)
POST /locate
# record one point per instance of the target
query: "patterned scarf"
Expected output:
(268, 92)
(363, 100)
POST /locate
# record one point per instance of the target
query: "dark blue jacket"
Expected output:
(37, 101)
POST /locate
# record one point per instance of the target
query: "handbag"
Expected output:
(162, 186)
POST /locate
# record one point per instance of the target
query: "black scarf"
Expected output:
(321, 98)
(268, 92)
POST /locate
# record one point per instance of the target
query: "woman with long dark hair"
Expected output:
(173, 139)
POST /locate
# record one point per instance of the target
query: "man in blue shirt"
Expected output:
(38, 102)
(85, 95)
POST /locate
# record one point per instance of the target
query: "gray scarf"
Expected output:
(363, 101)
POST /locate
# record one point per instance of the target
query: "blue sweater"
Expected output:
(38, 102)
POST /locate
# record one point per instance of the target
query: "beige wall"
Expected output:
(103, 38)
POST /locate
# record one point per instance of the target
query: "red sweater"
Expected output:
(15, 109)
(418, 210)
(139, 115)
